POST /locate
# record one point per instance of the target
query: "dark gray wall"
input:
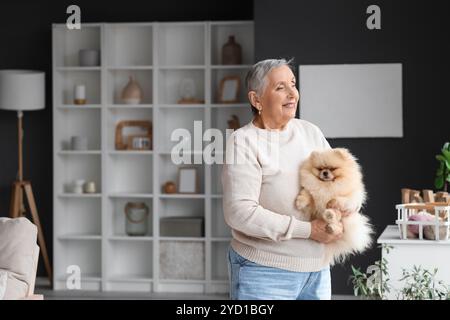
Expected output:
(25, 35)
(414, 34)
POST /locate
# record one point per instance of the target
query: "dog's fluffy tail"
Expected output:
(357, 238)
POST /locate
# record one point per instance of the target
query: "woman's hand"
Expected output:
(319, 232)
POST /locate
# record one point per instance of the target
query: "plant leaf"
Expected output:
(446, 154)
(439, 182)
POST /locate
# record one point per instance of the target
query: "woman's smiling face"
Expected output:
(280, 96)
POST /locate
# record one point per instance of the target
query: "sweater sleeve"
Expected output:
(241, 190)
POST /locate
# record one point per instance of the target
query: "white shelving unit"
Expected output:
(89, 229)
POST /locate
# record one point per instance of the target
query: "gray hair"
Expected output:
(256, 76)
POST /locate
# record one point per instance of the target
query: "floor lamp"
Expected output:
(24, 90)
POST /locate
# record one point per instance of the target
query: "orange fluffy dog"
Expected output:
(331, 182)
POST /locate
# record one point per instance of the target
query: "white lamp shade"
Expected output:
(22, 90)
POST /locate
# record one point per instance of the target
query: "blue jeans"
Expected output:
(252, 281)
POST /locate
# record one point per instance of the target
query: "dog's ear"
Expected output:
(343, 153)
(313, 156)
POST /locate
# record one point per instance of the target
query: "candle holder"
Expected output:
(80, 94)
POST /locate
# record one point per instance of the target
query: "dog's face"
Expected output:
(333, 164)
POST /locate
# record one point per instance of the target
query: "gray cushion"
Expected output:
(17, 253)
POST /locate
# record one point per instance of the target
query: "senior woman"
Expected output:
(275, 252)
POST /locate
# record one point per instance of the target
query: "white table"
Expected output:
(406, 253)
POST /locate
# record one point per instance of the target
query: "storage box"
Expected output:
(181, 227)
(182, 260)
(437, 228)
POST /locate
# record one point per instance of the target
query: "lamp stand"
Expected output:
(17, 207)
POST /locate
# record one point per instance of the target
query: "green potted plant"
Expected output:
(374, 283)
(420, 284)
(443, 171)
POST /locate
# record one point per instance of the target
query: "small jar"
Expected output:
(78, 186)
(89, 187)
(136, 214)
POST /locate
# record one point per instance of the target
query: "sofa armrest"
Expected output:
(30, 291)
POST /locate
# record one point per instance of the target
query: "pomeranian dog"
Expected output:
(331, 182)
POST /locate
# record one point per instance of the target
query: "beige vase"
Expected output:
(132, 93)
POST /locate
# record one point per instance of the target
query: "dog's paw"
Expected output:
(334, 228)
(339, 204)
(301, 202)
(329, 215)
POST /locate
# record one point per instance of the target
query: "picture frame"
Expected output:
(139, 142)
(188, 180)
(229, 89)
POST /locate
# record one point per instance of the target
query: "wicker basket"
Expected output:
(440, 224)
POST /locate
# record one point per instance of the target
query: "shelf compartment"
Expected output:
(198, 239)
(75, 168)
(216, 180)
(216, 77)
(117, 115)
(118, 218)
(219, 228)
(118, 80)
(80, 237)
(182, 196)
(176, 124)
(184, 260)
(243, 34)
(79, 153)
(131, 278)
(67, 43)
(124, 237)
(78, 106)
(181, 44)
(84, 254)
(132, 260)
(170, 83)
(63, 69)
(130, 174)
(169, 172)
(78, 217)
(81, 122)
(182, 208)
(219, 261)
(67, 81)
(129, 45)
(130, 195)
(130, 106)
(81, 196)
(130, 152)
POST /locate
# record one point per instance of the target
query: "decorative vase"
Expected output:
(132, 93)
(231, 52)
